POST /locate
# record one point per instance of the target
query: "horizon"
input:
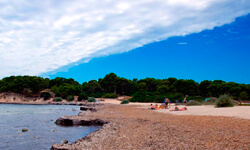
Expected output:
(207, 40)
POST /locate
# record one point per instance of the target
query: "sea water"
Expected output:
(40, 122)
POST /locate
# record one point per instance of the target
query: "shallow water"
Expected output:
(40, 121)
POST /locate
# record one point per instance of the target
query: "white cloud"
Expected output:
(183, 43)
(40, 36)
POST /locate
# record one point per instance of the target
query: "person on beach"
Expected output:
(179, 109)
(152, 107)
(167, 103)
(156, 106)
(185, 100)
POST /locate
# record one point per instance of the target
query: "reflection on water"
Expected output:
(40, 122)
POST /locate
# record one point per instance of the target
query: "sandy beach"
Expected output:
(204, 110)
(130, 127)
(135, 126)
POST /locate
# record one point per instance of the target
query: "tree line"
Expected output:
(148, 89)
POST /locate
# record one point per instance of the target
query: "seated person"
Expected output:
(156, 106)
(152, 106)
(161, 106)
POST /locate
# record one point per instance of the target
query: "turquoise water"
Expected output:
(40, 121)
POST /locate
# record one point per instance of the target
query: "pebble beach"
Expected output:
(130, 127)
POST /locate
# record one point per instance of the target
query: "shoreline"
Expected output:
(45, 103)
(130, 127)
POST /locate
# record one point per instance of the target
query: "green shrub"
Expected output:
(211, 101)
(110, 95)
(193, 103)
(150, 97)
(96, 95)
(178, 96)
(91, 99)
(142, 97)
(58, 99)
(224, 101)
(244, 104)
(82, 96)
(70, 98)
(196, 98)
(125, 102)
(45, 95)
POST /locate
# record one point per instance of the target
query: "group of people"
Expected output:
(166, 105)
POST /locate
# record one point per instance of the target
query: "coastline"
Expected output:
(134, 126)
(130, 127)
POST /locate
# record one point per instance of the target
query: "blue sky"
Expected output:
(189, 39)
(222, 53)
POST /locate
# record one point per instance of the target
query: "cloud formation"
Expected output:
(40, 36)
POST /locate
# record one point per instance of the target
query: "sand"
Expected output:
(134, 126)
(208, 110)
(205, 110)
(130, 127)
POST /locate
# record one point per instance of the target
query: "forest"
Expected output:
(111, 86)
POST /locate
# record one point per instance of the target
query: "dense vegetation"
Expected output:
(147, 90)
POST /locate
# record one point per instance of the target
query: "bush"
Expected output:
(91, 99)
(211, 101)
(58, 99)
(150, 97)
(224, 101)
(96, 95)
(142, 97)
(125, 102)
(70, 98)
(45, 95)
(193, 103)
(178, 96)
(110, 95)
(244, 104)
(196, 98)
(82, 96)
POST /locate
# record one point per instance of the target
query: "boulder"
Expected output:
(24, 130)
(65, 141)
(84, 108)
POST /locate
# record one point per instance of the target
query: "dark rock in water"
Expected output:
(24, 130)
(84, 108)
(65, 141)
(64, 121)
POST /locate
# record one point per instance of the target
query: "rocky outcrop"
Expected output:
(84, 108)
(65, 121)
